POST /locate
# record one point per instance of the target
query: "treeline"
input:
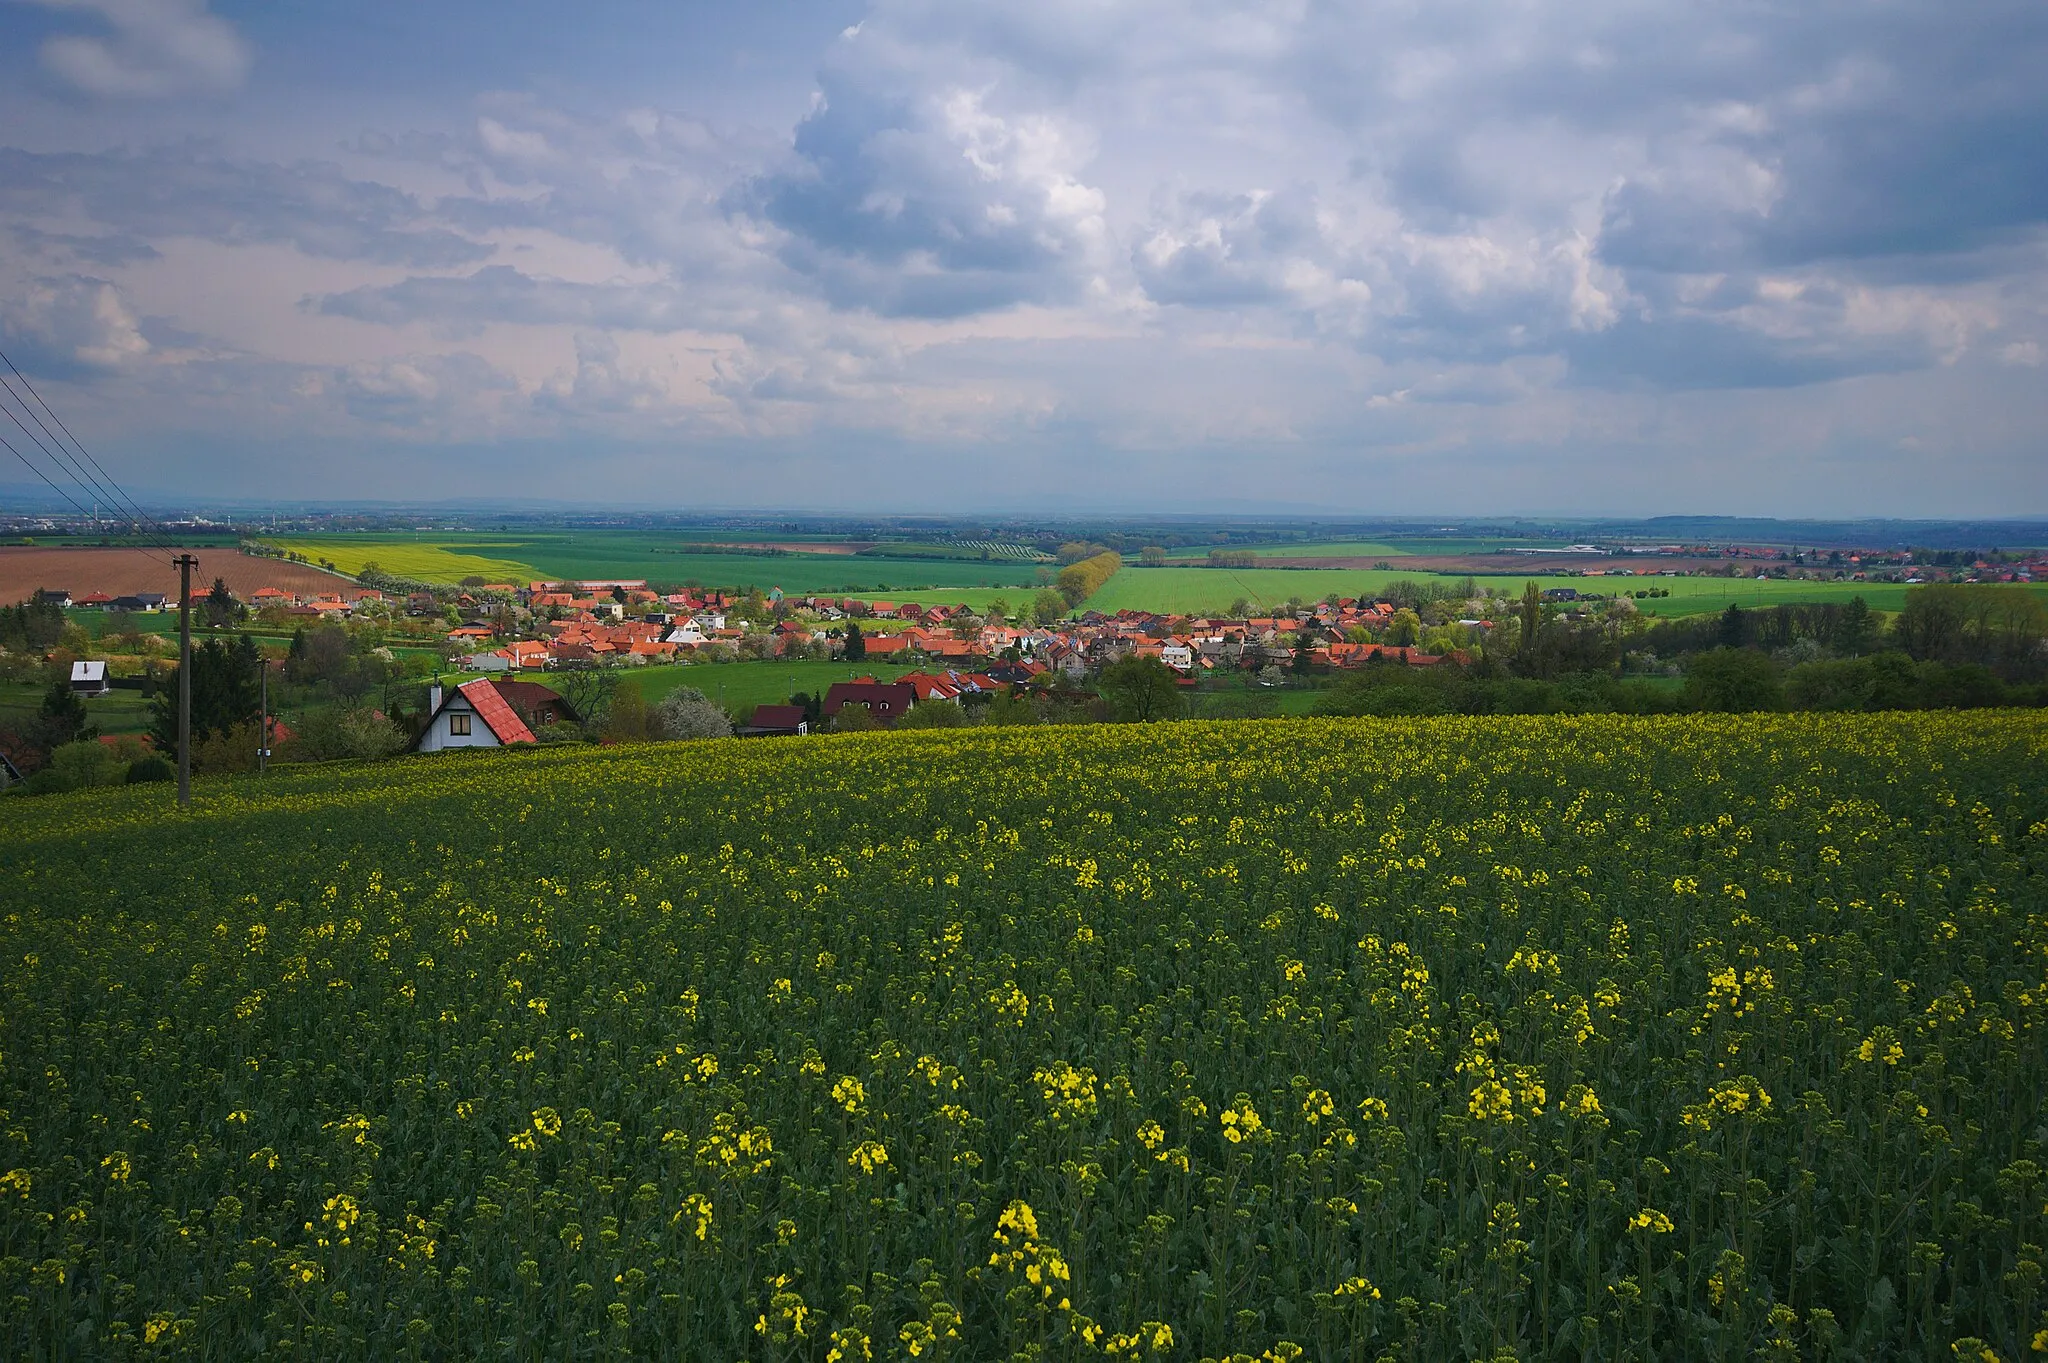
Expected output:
(34, 626)
(1079, 581)
(2001, 628)
(1722, 680)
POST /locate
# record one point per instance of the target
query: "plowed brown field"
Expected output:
(123, 572)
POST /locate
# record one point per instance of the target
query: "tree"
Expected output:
(225, 692)
(856, 643)
(221, 607)
(1405, 628)
(1734, 627)
(337, 732)
(1532, 619)
(631, 719)
(686, 713)
(1855, 629)
(1048, 608)
(1079, 581)
(853, 719)
(589, 693)
(1733, 680)
(1141, 689)
(34, 626)
(1152, 556)
(932, 714)
(63, 715)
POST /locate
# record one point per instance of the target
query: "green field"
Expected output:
(1322, 549)
(435, 556)
(1211, 590)
(1175, 589)
(1690, 1038)
(118, 712)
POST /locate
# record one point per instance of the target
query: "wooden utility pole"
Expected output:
(263, 734)
(186, 563)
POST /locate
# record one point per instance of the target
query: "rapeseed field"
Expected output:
(1606, 1038)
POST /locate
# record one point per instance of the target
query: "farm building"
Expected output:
(472, 715)
(89, 679)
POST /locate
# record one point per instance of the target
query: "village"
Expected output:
(513, 631)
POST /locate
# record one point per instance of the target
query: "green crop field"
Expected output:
(1710, 1037)
(1325, 549)
(437, 556)
(1197, 590)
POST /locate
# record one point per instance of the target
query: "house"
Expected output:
(92, 599)
(771, 721)
(472, 715)
(537, 706)
(53, 596)
(10, 775)
(89, 679)
(140, 601)
(884, 701)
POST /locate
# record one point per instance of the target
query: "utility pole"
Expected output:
(186, 563)
(263, 735)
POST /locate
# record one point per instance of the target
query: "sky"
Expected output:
(1628, 257)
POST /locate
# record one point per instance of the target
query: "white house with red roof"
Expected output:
(472, 715)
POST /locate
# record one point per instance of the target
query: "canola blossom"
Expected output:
(1535, 1038)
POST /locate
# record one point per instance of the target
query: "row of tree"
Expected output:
(1079, 581)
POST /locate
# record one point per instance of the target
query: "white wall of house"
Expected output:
(457, 714)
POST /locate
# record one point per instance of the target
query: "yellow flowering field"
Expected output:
(1605, 1038)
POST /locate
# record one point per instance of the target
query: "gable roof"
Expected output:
(491, 708)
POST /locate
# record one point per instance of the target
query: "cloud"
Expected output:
(431, 395)
(73, 324)
(500, 293)
(152, 49)
(185, 191)
(913, 196)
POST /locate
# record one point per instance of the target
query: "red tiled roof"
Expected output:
(492, 709)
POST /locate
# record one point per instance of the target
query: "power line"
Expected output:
(46, 452)
(30, 465)
(104, 484)
(79, 445)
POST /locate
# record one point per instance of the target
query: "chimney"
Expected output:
(434, 696)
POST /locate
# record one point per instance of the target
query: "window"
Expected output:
(458, 725)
